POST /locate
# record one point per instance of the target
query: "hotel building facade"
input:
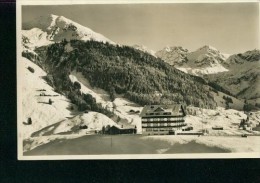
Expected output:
(162, 119)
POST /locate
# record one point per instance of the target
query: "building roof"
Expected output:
(123, 127)
(171, 110)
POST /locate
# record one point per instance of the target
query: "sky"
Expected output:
(229, 27)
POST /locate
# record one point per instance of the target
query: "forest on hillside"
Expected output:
(139, 76)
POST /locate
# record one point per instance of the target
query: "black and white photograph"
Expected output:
(138, 80)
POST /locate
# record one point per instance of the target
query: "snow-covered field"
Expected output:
(68, 129)
(57, 121)
(35, 106)
(228, 119)
(120, 105)
(233, 144)
(203, 70)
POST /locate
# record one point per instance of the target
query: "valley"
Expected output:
(77, 82)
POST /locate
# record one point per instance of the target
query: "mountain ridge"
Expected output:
(56, 28)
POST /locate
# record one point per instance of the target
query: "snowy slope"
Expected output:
(243, 76)
(44, 30)
(120, 105)
(93, 120)
(35, 37)
(35, 106)
(228, 119)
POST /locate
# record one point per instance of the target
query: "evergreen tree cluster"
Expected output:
(139, 76)
(228, 99)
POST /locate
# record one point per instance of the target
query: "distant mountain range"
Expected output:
(243, 75)
(77, 81)
(236, 73)
(205, 60)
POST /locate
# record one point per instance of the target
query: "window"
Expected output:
(155, 124)
(144, 119)
(148, 124)
(166, 113)
(151, 113)
(168, 124)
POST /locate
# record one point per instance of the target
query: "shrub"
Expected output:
(50, 101)
(77, 85)
(30, 69)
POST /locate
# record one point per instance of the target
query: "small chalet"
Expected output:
(162, 119)
(114, 130)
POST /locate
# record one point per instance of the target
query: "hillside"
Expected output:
(51, 28)
(139, 76)
(35, 105)
(243, 76)
(238, 74)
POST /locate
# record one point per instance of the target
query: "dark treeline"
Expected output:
(141, 77)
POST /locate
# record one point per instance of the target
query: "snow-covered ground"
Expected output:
(35, 38)
(55, 28)
(69, 129)
(92, 120)
(35, 106)
(56, 121)
(203, 70)
(232, 144)
(228, 119)
(120, 105)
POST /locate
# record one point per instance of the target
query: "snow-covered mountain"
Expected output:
(243, 77)
(238, 73)
(144, 49)
(44, 30)
(205, 60)
(206, 56)
(62, 119)
(175, 56)
(241, 58)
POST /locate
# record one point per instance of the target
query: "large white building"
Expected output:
(162, 119)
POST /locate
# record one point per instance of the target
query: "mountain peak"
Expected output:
(174, 48)
(174, 55)
(58, 28)
(208, 48)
